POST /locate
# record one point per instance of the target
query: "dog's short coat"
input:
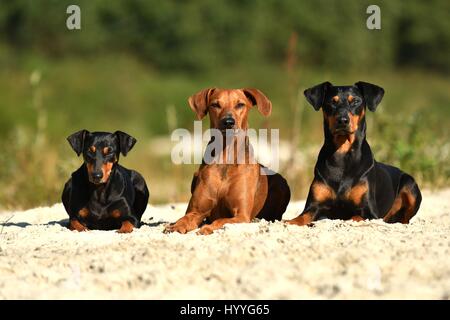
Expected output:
(102, 194)
(238, 192)
(348, 182)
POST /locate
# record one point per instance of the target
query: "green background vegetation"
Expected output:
(134, 63)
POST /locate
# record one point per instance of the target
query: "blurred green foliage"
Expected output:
(202, 34)
(134, 63)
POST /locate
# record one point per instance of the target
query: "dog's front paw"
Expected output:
(357, 218)
(126, 227)
(176, 227)
(304, 219)
(76, 225)
(205, 230)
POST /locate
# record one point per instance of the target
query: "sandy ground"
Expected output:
(40, 258)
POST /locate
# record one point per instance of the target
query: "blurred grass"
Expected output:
(117, 92)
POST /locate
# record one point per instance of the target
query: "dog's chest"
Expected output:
(97, 210)
(345, 191)
(220, 178)
(99, 206)
(342, 200)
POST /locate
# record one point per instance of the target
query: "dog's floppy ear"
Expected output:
(76, 140)
(199, 102)
(259, 99)
(126, 142)
(372, 94)
(316, 94)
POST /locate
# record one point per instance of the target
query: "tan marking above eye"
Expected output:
(106, 150)
(350, 98)
(92, 149)
(335, 98)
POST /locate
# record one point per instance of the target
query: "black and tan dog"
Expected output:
(348, 182)
(102, 194)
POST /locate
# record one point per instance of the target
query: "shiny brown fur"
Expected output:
(231, 193)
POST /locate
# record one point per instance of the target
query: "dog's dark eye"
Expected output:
(215, 105)
(356, 101)
(240, 105)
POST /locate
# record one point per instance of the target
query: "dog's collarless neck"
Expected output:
(357, 162)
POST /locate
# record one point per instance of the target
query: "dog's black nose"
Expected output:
(343, 121)
(97, 176)
(228, 122)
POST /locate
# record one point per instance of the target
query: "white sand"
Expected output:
(40, 258)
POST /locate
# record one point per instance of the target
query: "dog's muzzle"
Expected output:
(342, 125)
(227, 123)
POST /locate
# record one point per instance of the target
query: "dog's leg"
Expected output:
(302, 220)
(76, 225)
(319, 194)
(405, 205)
(241, 206)
(199, 208)
(357, 218)
(219, 223)
(126, 227)
(187, 223)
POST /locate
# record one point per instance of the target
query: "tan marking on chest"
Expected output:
(116, 214)
(322, 192)
(357, 193)
(83, 212)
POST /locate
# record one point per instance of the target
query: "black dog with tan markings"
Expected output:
(348, 182)
(102, 194)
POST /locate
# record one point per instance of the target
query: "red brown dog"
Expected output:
(237, 192)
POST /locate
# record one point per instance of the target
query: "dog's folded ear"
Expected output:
(76, 140)
(372, 94)
(199, 102)
(316, 94)
(126, 142)
(259, 99)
